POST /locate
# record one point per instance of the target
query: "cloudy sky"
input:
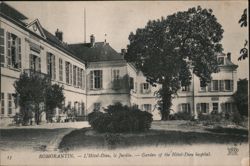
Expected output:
(118, 19)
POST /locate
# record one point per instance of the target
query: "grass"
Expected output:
(87, 138)
(27, 138)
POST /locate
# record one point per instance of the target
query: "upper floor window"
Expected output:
(221, 60)
(202, 87)
(14, 51)
(228, 85)
(2, 42)
(116, 74)
(2, 103)
(82, 79)
(185, 88)
(35, 62)
(145, 88)
(51, 65)
(74, 75)
(215, 85)
(60, 69)
(68, 72)
(96, 79)
(131, 82)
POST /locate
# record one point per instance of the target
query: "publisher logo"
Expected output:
(232, 151)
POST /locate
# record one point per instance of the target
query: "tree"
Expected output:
(167, 50)
(241, 97)
(31, 91)
(243, 23)
(36, 94)
(54, 99)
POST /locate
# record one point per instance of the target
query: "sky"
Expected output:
(118, 19)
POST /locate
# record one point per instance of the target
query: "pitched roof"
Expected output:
(11, 12)
(19, 19)
(101, 51)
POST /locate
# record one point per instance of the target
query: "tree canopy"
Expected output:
(168, 48)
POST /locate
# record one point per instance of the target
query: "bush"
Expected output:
(182, 116)
(236, 117)
(119, 118)
(211, 118)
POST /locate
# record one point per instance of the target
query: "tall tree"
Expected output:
(31, 91)
(243, 23)
(168, 50)
(54, 99)
(241, 96)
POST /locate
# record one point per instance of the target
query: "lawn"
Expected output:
(159, 135)
(30, 138)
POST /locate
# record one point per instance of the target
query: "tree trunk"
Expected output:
(166, 101)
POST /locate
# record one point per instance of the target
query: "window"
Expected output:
(185, 107)
(82, 108)
(10, 103)
(145, 88)
(35, 63)
(147, 107)
(202, 87)
(82, 79)
(51, 65)
(228, 107)
(79, 78)
(131, 82)
(68, 72)
(202, 107)
(97, 106)
(74, 75)
(215, 107)
(2, 46)
(185, 88)
(2, 103)
(14, 51)
(229, 85)
(116, 75)
(135, 105)
(96, 79)
(215, 85)
(221, 60)
(60, 69)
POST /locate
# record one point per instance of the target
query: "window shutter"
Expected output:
(231, 85)
(135, 87)
(100, 78)
(207, 107)
(48, 63)
(31, 62)
(180, 107)
(8, 49)
(19, 54)
(141, 86)
(221, 85)
(83, 79)
(70, 74)
(198, 107)
(209, 86)
(91, 80)
(54, 66)
(2, 49)
(39, 64)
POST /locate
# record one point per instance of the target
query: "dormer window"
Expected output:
(221, 60)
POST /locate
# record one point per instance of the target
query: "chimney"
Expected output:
(92, 40)
(229, 56)
(123, 52)
(59, 35)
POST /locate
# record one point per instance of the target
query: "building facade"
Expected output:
(93, 74)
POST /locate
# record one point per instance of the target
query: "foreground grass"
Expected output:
(87, 138)
(35, 139)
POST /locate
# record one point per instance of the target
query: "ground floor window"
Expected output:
(202, 107)
(2, 103)
(146, 107)
(228, 107)
(185, 107)
(215, 107)
(10, 103)
(97, 106)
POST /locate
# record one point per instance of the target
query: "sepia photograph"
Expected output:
(124, 83)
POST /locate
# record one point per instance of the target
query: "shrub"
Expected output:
(236, 117)
(119, 118)
(182, 116)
